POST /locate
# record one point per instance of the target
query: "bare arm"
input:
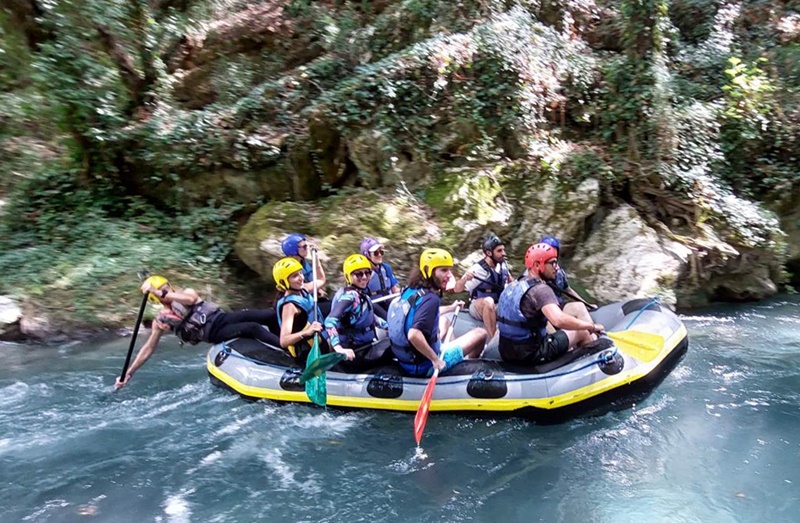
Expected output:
(417, 339)
(143, 355)
(287, 324)
(321, 280)
(184, 297)
(561, 320)
(461, 283)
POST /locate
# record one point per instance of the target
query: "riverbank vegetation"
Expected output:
(144, 134)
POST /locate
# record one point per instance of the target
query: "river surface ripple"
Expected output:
(718, 440)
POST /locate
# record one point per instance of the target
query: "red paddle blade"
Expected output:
(424, 406)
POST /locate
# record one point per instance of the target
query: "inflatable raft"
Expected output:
(605, 375)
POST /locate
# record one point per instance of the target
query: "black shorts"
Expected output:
(553, 347)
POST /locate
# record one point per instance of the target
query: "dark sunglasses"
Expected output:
(378, 252)
(361, 274)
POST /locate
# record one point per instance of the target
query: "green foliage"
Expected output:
(747, 90)
(14, 57)
(212, 228)
(585, 163)
(489, 87)
(693, 18)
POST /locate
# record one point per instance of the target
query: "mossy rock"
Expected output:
(337, 225)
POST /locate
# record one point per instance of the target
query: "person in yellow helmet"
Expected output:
(298, 316)
(352, 320)
(414, 320)
(195, 320)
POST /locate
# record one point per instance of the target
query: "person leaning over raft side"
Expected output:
(383, 282)
(352, 321)
(485, 281)
(560, 283)
(527, 305)
(194, 320)
(414, 327)
(296, 246)
(295, 308)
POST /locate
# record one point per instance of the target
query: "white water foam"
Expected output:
(177, 508)
(207, 460)
(287, 476)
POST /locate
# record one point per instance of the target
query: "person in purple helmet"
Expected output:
(560, 283)
(297, 246)
(383, 282)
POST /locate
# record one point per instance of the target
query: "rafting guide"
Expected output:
(194, 320)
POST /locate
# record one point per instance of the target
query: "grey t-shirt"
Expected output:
(537, 297)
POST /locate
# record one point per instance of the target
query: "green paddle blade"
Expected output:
(322, 364)
(316, 388)
(643, 346)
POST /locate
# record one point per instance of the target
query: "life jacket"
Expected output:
(491, 287)
(190, 323)
(305, 302)
(379, 284)
(559, 285)
(400, 317)
(358, 327)
(511, 323)
(308, 271)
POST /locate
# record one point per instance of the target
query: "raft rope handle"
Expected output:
(603, 357)
(656, 299)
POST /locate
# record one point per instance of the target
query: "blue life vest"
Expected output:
(304, 301)
(511, 323)
(379, 284)
(559, 285)
(308, 271)
(400, 318)
(491, 287)
(358, 327)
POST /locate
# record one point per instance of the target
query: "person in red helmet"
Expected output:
(528, 305)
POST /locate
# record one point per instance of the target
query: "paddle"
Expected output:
(316, 387)
(643, 346)
(425, 403)
(320, 365)
(574, 296)
(133, 337)
(424, 406)
(386, 298)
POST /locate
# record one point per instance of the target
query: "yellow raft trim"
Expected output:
(472, 404)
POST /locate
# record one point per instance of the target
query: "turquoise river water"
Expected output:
(717, 441)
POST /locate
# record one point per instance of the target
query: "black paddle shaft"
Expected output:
(133, 337)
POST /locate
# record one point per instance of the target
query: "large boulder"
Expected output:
(554, 210)
(625, 258)
(10, 316)
(337, 225)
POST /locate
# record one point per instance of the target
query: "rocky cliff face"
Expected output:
(493, 118)
(657, 139)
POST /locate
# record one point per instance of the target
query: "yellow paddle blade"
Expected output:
(643, 346)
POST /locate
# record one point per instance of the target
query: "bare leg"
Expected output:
(444, 326)
(472, 343)
(579, 338)
(486, 308)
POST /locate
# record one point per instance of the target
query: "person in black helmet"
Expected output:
(484, 282)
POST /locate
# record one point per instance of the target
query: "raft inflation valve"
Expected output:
(222, 355)
(610, 362)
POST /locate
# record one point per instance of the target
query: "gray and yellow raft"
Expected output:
(606, 375)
